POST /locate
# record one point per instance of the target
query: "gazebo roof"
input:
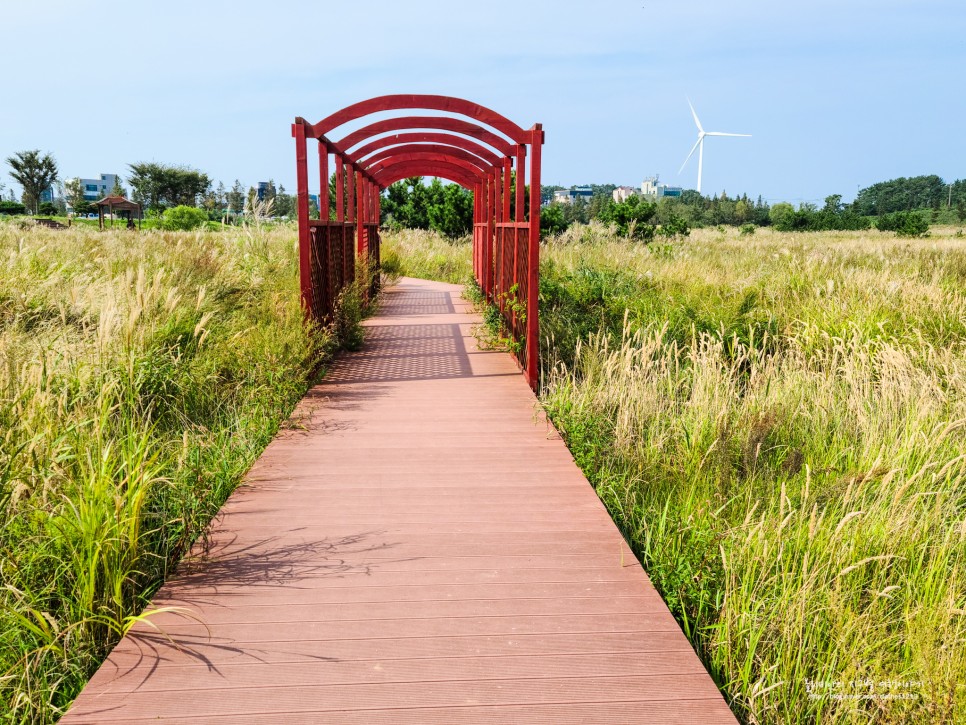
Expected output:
(118, 202)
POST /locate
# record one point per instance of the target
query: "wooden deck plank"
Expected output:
(417, 547)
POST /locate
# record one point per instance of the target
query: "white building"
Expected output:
(95, 189)
(623, 193)
(569, 196)
(653, 189)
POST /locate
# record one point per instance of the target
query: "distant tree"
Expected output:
(904, 224)
(220, 197)
(446, 208)
(902, 194)
(160, 187)
(235, 198)
(35, 173)
(74, 192)
(631, 217)
(451, 209)
(284, 203)
(84, 207)
(270, 192)
(47, 208)
(552, 219)
(782, 216)
(117, 189)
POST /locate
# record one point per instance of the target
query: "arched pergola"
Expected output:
(472, 146)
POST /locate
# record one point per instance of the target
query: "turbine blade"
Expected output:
(693, 148)
(695, 115)
(718, 133)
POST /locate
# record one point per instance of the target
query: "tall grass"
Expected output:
(140, 376)
(427, 255)
(778, 423)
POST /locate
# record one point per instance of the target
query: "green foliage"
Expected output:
(47, 208)
(12, 207)
(902, 194)
(411, 204)
(746, 230)
(183, 218)
(904, 224)
(766, 418)
(782, 216)
(35, 173)
(631, 217)
(159, 186)
(674, 227)
(552, 220)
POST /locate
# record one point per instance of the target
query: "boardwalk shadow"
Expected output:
(211, 572)
(394, 353)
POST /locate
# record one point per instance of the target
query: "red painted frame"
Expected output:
(479, 152)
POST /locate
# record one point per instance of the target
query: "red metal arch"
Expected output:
(401, 102)
(472, 153)
(445, 139)
(442, 123)
(414, 160)
(413, 150)
(398, 172)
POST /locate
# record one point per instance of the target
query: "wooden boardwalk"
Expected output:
(418, 548)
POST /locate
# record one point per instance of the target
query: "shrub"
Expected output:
(675, 226)
(904, 224)
(12, 207)
(47, 208)
(632, 218)
(746, 230)
(183, 218)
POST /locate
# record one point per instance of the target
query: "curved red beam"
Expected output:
(430, 158)
(446, 104)
(441, 123)
(456, 174)
(427, 138)
(444, 153)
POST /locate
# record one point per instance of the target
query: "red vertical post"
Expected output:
(339, 189)
(360, 189)
(533, 283)
(302, 208)
(521, 181)
(324, 180)
(505, 217)
(491, 231)
(350, 193)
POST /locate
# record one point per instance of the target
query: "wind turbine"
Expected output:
(699, 144)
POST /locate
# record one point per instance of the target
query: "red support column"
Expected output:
(350, 193)
(533, 283)
(324, 181)
(302, 207)
(360, 189)
(491, 231)
(521, 182)
(339, 189)
(505, 217)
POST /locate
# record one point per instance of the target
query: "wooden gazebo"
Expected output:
(120, 205)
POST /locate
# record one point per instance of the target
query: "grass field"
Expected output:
(140, 375)
(778, 424)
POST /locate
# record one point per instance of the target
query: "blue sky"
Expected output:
(837, 95)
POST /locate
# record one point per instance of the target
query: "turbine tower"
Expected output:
(699, 144)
